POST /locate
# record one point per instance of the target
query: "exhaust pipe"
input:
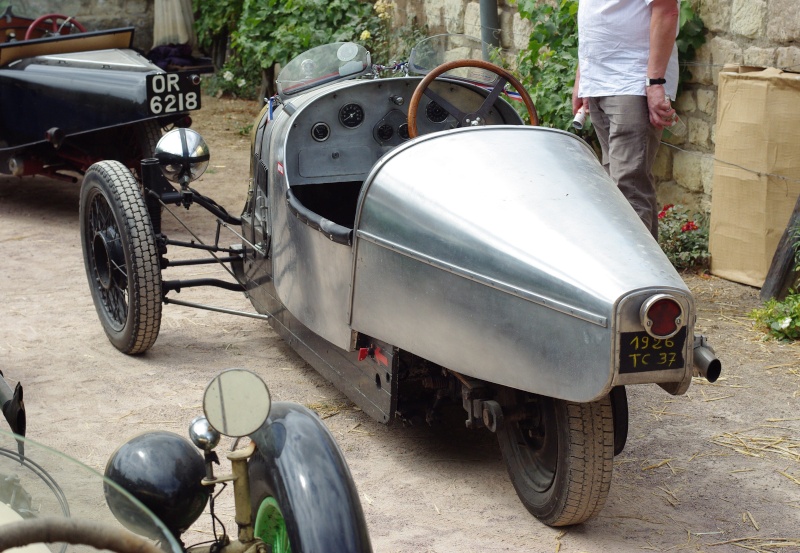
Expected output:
(706, 363)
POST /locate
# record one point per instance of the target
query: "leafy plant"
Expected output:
(236, 79)
(547, 66)
(386, 42)
(781, 319)
(691, 37)
(683, 238)
(213, 19)
(275, 31)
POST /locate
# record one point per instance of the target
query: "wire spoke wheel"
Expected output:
(559, 456)
(120, 257)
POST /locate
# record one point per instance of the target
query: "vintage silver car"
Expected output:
(419, 245)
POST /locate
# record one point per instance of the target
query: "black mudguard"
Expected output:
(299, 463)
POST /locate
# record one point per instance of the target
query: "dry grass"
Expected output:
(760, 446)
(762, 545)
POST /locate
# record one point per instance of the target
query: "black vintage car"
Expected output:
(70, 97)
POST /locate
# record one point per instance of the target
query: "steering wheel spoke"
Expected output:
(445, 105)
(464, 118)
(53, 18)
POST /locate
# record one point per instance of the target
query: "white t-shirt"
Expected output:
(613, 48)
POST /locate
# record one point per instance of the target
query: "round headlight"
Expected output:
(183, 155)
(162, 470)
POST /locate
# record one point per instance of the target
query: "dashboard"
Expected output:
(339, 135)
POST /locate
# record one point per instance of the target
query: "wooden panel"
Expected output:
(82, 42)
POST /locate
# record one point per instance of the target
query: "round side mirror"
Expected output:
(183, 155)
(236, 402)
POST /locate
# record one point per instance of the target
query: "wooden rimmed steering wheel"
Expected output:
(474, 118)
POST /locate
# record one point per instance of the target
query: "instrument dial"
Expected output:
(320, 132)
(435, 113)
(351, 115)
(403, 131)
(385, 131)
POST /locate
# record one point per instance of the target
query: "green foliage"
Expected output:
(275, 31)
(236, 79)
(547, 67)
(683, 238)
(217, 18)
(780, 319)
(268, 32)
(692, 35)
(385, 42)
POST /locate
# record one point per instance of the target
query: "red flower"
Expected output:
(690, 225)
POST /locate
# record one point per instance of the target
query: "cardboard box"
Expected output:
(756, 169)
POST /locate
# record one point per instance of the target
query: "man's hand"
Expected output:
(577, 101)
(661, 112)
(664, 18)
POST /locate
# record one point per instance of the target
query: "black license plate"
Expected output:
(640, 352)
(172, 92)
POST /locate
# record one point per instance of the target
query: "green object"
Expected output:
(683, 237)
(780, 319)
(271, 527)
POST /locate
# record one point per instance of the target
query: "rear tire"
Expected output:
(120, 256)
(148, 133)
(560, 457)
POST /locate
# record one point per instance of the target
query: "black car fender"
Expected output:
(298, 462)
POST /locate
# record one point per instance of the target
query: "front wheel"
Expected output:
(559, 456)
(120, 257)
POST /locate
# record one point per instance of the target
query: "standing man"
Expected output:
(627, 66)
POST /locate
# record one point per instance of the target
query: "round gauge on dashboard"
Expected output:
(351, 115)
(402, 130)
(385, 131)
(435, 113)
(320, 132)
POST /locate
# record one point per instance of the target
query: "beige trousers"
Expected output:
(629, 143)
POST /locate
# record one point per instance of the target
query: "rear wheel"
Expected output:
(120, 257)
(559, 456)
(148, 133)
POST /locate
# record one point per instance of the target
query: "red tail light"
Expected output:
(662, 316)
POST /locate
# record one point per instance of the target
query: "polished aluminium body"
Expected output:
(544, 309)
(551, 280)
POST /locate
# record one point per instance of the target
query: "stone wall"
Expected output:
(748, 32)
(96, 14)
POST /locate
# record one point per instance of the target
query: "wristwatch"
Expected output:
(650, 81)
